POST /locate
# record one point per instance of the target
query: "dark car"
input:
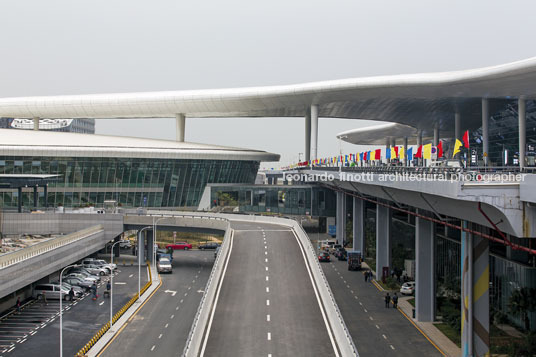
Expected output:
(208, 246)
(341, 254)
(324, 257)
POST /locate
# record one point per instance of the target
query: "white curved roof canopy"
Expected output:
(414, 99)
(379, 134)
(59, 144)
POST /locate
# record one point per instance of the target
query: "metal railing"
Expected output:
(23, 254)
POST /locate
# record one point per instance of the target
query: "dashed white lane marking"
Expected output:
(189, 287)
(348, 286)
(352, 291)
(166, 326)
(131, 275)
(378, 327)
(267, 302)
(269, 355)
(366, 311)
(360, 303)
(265, 247)
(268, 318)
(196, 276)
(267, 278)
(266, 260)
(392, 347)
(193, 281)
(160, 336)
(266, 253)
(266, 268)
(269, 336)
(172, 316)
(384, 337)
(370, 317)
(185, 294)
(120, 283)
(152, 348)
(177, 308)
(182, 300)
(267, 289)
(101, 303)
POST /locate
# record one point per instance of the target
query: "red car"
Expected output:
(324, 257)
(179, 245)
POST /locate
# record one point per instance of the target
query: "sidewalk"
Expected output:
(428, 329)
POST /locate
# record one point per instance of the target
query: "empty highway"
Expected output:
(267, 305)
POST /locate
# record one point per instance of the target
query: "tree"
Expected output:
(521, 302)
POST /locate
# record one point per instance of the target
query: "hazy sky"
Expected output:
(67, 47)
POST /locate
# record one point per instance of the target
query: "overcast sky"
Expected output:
(70, 47)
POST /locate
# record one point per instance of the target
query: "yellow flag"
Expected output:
(401, 153)
(457, 147)
(393, 152)
(427, 151)
(372, 155)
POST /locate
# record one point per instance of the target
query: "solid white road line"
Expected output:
(204, 346)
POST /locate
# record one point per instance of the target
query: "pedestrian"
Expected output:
(395, 301)
(94, 291)
(44, 297)
(366, 276)
(18, 305)
(71, 294)
(387, 300)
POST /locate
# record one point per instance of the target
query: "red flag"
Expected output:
(396, 151)
(365, 156)
(419, 152)
(466, 139)
(440, 149)
(378, 154)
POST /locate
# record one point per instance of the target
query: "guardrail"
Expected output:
(82, 352)
(23, 254)
(198, 329)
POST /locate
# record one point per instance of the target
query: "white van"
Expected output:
(50, 291)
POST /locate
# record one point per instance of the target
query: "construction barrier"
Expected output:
(116, 317)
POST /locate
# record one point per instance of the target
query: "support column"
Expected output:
(150, 245)
(424, 270)
(406, 160)
(457, 125)
(485, 130)
(180, 126)
(308, 134)
(45, 193)
(314, 131)
(36, 123)
(19, 201)
(522, 131)
(475, 294)
(383, 240)
(436, 134)
(35, 196)
(341, 217)
(358, 225)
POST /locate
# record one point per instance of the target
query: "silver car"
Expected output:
(50, 291)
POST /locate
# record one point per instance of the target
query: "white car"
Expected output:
(408, 288)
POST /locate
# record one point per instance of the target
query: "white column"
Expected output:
(314, 131)
(485, 130)
(308, 134)
(180, 126)
(436, 134)
(358, 225)
(424, 270)
(383, 239)
(457, 125)
(36, 123)
(522, 131)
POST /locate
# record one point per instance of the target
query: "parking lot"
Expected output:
(34, 331)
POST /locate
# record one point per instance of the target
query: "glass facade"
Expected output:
(132, 182)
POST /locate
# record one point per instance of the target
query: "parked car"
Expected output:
(164, 265)
(408, 288)
(82, 283)
(179, 246)
(84, 273)
(80, 275)
(78, 291)
(88, 262)
(96, 269)
(324, 257)
(125, 244)
(51, 291)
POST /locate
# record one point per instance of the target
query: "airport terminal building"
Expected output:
(134, 172)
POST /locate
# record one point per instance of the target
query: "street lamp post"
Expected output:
(155, 223)
(61, 308)
(139, 261)
(112, 281)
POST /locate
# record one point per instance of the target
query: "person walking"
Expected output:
(71, 294)
(395, 301)
(94, 291)
(387, 300)
(44, 297)
(366, 276)
(18, 304)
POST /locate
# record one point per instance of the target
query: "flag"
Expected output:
(369, 155)
(457, 147)
(440, 149)
(396, 151)
(401, 153)
(466, 139)
(427, 151)
(387, 153)
(365, 156)
(378, 155)
(360, 156)
(418, 154)
(410, 154)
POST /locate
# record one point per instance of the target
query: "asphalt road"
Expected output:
(161, 327)
(81, 319)
(376, 330)
(267, 305)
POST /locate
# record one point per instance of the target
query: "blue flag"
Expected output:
(360, 156)
(410, 154)
(387, 153)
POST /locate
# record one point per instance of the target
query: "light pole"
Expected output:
(155, 223)
(112, 280)
(139, 261)
(61, 311)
